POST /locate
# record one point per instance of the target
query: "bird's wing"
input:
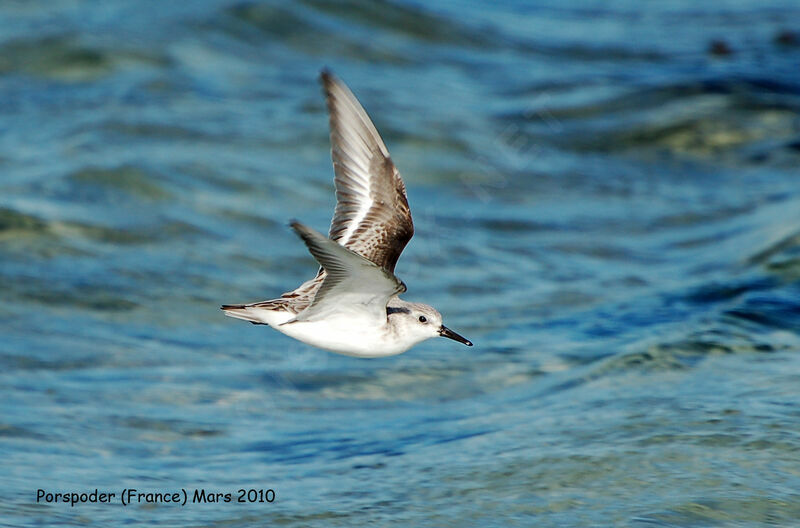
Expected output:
(372, 216)
(351, 282)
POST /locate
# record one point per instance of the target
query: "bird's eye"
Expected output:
(423, 319)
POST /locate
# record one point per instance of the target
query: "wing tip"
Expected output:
(312, 238)
(328, 79)
(302, 230)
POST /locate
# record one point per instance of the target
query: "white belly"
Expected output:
(351, 336)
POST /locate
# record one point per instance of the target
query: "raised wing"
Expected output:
(372, 216)
(351, 283)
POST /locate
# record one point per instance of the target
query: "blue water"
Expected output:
(606, 199)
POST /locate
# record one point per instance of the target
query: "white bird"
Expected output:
(352, 306)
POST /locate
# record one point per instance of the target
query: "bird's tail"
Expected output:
(240, 311)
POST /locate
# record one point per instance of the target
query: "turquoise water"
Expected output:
(607, 202)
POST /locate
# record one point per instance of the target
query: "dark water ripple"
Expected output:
(606, 203)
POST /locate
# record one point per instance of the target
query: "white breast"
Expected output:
(346, 336)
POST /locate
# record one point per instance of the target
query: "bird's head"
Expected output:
(421, 322)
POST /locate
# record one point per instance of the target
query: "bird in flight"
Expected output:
(352, 306)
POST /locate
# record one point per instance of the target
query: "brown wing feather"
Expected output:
(372, 215)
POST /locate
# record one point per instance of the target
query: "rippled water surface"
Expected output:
(607, 202)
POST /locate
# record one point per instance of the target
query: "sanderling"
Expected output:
(352, 306)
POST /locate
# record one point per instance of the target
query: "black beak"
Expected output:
(446, 332)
